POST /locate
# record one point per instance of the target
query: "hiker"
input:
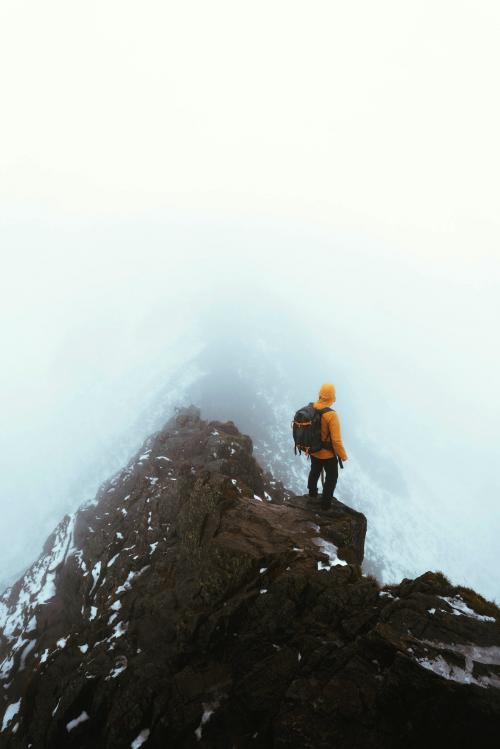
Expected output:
(327, 458)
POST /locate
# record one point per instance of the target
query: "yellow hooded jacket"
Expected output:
(330, 424)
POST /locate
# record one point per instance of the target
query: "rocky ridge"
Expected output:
(196, 603)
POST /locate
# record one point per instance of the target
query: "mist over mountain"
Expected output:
(102, 350)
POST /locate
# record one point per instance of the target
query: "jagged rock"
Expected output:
(195, 603)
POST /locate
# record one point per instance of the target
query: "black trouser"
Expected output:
(332, 473)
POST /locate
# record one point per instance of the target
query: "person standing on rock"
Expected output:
(327, 458)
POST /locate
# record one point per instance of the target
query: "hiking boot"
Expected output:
(326, 502)
(313, 492)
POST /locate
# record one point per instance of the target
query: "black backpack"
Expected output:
(306, 426)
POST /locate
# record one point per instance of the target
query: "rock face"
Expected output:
(195, 603)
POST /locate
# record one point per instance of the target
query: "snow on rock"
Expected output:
(472, 654)
(96, 571)
(119, 630)
(208, 711)
(44, 656)
(76, 722)
(331, 551)
(27, 650)
(9, 713)
(131, 576)
(141, 739)
(442, 668)
(113, 560)
(460, 608)
(121, 664)
(37, 587)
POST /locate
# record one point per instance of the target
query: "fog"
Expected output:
(230, 206)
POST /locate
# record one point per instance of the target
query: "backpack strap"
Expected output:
(328, 444)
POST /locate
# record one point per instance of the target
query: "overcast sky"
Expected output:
(379, 117)
(155, 153)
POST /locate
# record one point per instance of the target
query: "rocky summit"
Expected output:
(196, 603)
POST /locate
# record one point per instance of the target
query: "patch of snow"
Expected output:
(460, 608)
(131, 576)
(262, 570)
(208, 711)
(113, 560)
(141, 739)
(118, 669)
(27, 650)
(144, 456)
(62, 642)
(263, 590)
(44, 656)
(9, 713)
(54, 711)
(431, 611)
(255, 496)
(119, 535)
(83, 648)
(119, 630)
(331, 551)
(31, 624)
(96, 571)
(93, 612)
(153, 547)
(472, 653)
(76, 722)
(116, 606)
(163, 457)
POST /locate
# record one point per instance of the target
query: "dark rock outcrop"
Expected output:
(196, 603)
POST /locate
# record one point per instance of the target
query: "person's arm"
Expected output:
(336, 437)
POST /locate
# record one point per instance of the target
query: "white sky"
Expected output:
(374, 116)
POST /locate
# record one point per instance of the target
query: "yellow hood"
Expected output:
(327, 394)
